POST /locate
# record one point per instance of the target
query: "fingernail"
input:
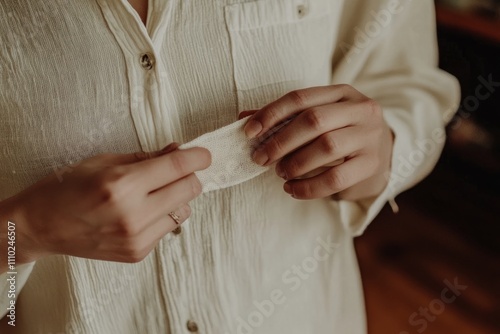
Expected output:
(287, 187)
(252, 129)
(260, 156)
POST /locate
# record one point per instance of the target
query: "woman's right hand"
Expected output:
(110, 207)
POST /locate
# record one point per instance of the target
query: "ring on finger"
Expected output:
(175, 217)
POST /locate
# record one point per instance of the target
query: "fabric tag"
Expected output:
(231, 157)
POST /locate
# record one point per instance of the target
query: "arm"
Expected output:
(399, 71)
(378, 131)
(113, 207)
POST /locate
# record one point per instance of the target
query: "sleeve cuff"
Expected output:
(410, 163)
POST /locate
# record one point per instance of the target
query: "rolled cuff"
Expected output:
(413, 158)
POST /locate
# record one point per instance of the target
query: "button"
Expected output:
(192, 326)
(147, 61)
(178, 230)
(302, 11)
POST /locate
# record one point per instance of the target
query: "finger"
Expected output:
(177, 216)
(122, 159)
(324, 150)
(155, 173)
(169, 148)
(163, 201)
(332, 181)
(320, 170)
(136, 248)
(181, 214)
(307, 126)
(295, 102)
(246, 113)
(368, 188)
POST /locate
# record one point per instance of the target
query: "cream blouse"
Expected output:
(79, 78)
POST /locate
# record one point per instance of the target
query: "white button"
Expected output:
(147, 61)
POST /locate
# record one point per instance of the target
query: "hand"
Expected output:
(338, 143)
(109, 207)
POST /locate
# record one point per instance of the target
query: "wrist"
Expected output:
(14, 235)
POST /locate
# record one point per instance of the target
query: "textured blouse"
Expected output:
(80, 78)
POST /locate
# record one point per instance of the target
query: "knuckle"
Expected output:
(126, 228)
(274, 147)
(178, 162)
(330, 144)
(335, 180)
(299, 97)
(314, 119)
(373, 108)
(111, 185)
(271, 115)
(114, 174)
(345, 88)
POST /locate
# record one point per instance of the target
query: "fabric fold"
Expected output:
(231, 151)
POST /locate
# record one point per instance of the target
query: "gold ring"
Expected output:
(176, 218)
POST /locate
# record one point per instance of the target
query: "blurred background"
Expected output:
(434, 267)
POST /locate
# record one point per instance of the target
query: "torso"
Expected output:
(141, 6)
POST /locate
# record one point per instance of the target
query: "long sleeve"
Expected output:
(391, 56)
(251, 258)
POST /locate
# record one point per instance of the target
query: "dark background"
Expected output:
(448, 226)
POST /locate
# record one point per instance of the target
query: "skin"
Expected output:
(115, 207)
(110, 207)
(337, 145)
(141, 7)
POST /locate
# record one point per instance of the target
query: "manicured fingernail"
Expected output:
(252, 129)
(260, 156)
(287, 187)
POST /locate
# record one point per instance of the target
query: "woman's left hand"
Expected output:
(338, 144)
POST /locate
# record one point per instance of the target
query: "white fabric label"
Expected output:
(231, 157)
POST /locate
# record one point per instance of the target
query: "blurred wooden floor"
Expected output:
(447, 228)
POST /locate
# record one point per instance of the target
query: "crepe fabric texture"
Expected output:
(81, 78)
